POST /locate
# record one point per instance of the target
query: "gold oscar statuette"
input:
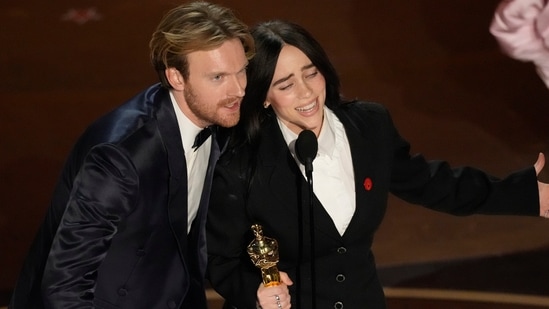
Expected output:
(264, 254)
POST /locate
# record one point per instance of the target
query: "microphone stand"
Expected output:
(309, 174)
(306, 148)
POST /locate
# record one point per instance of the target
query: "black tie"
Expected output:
(201, 137)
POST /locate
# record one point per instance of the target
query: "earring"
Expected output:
(266, 104)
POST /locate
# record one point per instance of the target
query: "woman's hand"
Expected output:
(277, 296)
(543, 188)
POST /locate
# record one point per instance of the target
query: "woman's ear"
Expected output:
(266, 104)
(175, 78)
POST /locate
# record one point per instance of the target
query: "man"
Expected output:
(126, 225)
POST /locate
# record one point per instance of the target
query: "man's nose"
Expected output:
(238, 86)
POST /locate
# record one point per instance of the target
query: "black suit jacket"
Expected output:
(115, 235)
(277, 198)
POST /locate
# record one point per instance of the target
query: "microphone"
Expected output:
(306, 147)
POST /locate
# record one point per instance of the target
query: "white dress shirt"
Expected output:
(197, 161)
(333, 177)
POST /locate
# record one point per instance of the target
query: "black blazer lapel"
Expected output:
(368, 172)
(286, 182)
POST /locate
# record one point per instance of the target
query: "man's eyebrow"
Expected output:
(245, 66)
(223, 73)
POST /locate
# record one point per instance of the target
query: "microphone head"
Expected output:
(306, 147)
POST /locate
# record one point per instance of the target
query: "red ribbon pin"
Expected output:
(368, 184)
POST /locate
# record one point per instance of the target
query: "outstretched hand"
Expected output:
(539, 163)
(543, 188)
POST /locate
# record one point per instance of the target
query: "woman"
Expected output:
(292, 87)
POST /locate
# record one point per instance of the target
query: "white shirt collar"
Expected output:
(197, 161)
(334, 177)
(326, 140)
(187, 128)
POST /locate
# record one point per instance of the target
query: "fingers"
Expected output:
(285, 278)
(274, 297)
(282, 302)
(540, 163)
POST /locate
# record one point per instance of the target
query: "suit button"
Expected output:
(140, 252)
(338, 305)
(122, 292)
(171, 304)
(341, 250)
(340, 278)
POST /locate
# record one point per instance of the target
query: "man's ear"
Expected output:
(175, 78)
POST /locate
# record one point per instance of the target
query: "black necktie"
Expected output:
(201, 137)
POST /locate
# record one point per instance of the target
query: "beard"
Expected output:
(212, 113)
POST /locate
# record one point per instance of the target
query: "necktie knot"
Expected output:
(201, 137)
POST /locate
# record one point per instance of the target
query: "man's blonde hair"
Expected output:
(192, 27)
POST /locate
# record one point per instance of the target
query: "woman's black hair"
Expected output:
(269, 38)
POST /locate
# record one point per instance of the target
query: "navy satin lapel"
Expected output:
(200, 236)
(169, 130)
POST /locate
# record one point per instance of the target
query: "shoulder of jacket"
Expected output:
(365, 106)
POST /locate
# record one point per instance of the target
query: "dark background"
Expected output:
(452, 94)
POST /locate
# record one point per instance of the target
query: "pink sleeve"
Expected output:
(521, 28)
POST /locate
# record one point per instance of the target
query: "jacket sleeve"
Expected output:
(461, 190)
(230, 270)
(104, 192)
(521, 27)
(467, 190)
